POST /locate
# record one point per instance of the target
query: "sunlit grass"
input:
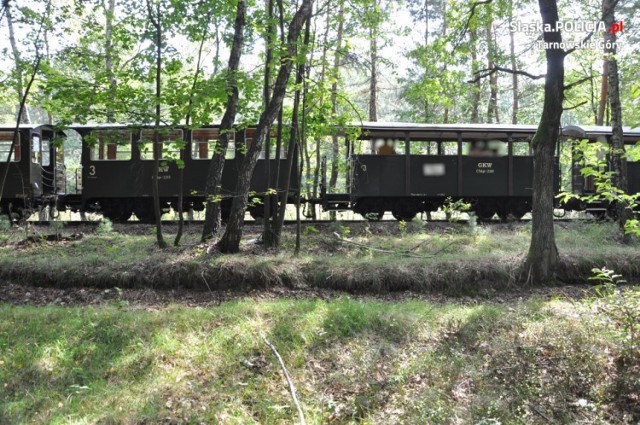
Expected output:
(352, 361)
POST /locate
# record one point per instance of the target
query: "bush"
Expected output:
(105, 227)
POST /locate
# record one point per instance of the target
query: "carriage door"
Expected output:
(38, 158)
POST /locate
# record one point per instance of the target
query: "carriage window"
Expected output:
(520, 148)
(273, 147)
(46, 153)
(40, 151)
(487, 148)
(171, 144)
(110, 145)
(204, 143)
(424, 148)
(633, 152)
(450, 148)
(6, 137)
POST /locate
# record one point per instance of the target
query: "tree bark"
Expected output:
(617, 157)
(445, 118)
(216, 166)
(294, 141)
(602, 106)
(186, 134)
(270, 39)
(335, 145)
(230, 241)
(542, 258)
(514, 67)
(24, 114)
(373, 58)
(157, 151)
(323, 70)
(109, 10)
(426, 67)
(492, 108)
(477, 86)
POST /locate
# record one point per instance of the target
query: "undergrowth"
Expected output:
(534, 361)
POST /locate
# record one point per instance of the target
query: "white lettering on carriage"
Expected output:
(485, 164)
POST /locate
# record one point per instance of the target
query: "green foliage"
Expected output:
(5, 224)
(402, 227)
(454, 209)
(620, 307)
(592, 158)
(310, 230)
(105, 227)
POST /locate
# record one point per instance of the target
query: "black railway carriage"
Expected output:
(35, 176)
(411, 168)
(581, 185)
(490, 166)
(117, 170)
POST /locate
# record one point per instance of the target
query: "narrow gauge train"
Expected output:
(412, 168)
(117, 168)
(401, 168)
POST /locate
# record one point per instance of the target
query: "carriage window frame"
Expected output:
(94, 148)
(5, 147)
(175, 145)
(211, 144)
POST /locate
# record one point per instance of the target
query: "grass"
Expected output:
(446, 257)
(370, 362)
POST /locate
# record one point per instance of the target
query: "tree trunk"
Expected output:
(109, 10)
(270, 39)
(323, 62)
(426, 66)
(294, 141)
(618, 157)
(477, 86)
(514, 76)
(157, 151)
(602, 106)
(216, 166)
(24, 114)
(230, 241)
(373, 58)
(492, 108)
(187, 134)
(542, 258)
(335, 145)
(445, 118)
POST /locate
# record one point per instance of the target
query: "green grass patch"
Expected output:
(376, 258)
(353, 361)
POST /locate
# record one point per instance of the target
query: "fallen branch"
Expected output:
(205, 282)
(539, 411)
(292, 388)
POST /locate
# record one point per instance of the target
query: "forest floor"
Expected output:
(560, 355)
(448, 258)
(87, 336)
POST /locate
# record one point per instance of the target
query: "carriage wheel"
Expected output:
(404, 210)
(484, 211)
